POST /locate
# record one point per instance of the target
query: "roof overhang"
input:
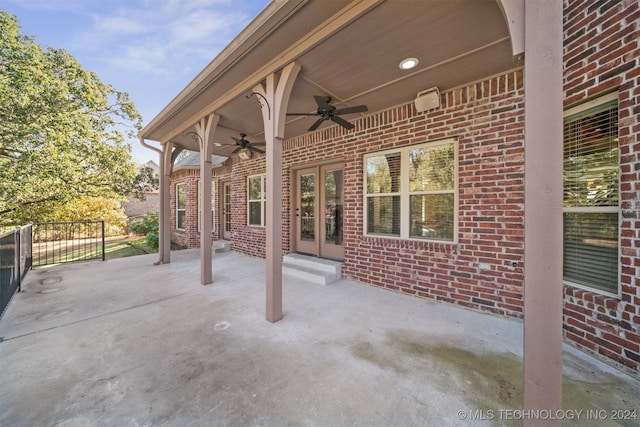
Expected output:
(349, 50)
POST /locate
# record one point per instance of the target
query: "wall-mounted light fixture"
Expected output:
(427, 100)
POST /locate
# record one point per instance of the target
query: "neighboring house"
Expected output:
(430, 200)
(134, 207)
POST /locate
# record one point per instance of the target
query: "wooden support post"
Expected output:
(274, 96)
(205, 129)
(543, 210)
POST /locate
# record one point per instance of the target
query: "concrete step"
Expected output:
(316, 270)
(219, 246)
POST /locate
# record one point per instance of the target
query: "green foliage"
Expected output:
(88, 208)
(153, 240)
(145, 181)
(148, 224)
(62, 131)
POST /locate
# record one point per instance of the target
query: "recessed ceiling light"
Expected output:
(408, 63)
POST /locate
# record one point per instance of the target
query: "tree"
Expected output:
(63, 131)
(88, 208)
(145, 181)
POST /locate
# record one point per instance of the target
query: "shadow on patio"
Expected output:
(126, 343)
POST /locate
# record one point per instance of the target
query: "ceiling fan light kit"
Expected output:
(244, 154)
(244, 149)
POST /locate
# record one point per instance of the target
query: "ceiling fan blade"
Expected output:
(236, 140)
(316, 124)
(351, 110)
(257, 150)
(301, 114)
(342, 122)
(259, 143)
(236, 150)
(322, 101)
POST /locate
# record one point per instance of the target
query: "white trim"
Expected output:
(181, 184)
(592, 209)
(262, 200)
(577, 109)
(594, 290)
(591, 104)
(405, 194)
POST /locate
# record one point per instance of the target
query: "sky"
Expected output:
(150, 49)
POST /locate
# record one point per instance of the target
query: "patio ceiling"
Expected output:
(355, 60)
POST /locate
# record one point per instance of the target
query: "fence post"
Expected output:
(103, 248)
(18, 252)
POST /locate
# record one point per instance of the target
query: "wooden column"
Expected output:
(543, 209)
(274, 95)
(164, 213)
(205, 129)
(167, 156)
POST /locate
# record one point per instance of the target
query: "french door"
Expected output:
(319, 210)
(226, 210)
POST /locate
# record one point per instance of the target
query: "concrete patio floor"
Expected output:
(126, 343)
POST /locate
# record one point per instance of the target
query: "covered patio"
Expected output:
(301, 56)
(127, 343)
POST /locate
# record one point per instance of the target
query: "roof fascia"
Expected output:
(261, 26)
(316, 35)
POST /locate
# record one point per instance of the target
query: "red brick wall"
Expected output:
(189, 236)
(487, 118)
(601, 54)
(250, 240)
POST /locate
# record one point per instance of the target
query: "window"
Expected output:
(256, 200)
(213, 209)
(411, 192)
(181, 207)
(591, 212)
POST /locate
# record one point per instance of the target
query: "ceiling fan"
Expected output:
(326, 111)
(243, 144)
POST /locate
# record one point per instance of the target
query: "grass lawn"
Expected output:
(54, 253)
(128, 247)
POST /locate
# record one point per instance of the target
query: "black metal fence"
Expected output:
(45, 243)
(60, 242)
(15, 261)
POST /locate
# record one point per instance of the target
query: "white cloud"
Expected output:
(162, 37)
(118, 25)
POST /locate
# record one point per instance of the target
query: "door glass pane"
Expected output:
(333, 207)
(307, 207)
(227, 207)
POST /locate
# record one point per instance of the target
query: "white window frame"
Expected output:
(602, 209)
(213, 206)
(405, 194)
(180, 186)
(262, 200)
